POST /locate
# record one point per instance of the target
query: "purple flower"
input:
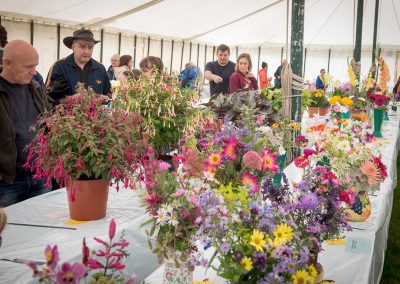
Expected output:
(238, 255)
(71, 273)
(259, 260)
(309, 201)
(225, 247)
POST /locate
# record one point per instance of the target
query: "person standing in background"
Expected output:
(263, 76)
(277, 75)
(188, 76)
(320, 82)
(114, 63)
(21, 101)
(242, 78)
(218, 72)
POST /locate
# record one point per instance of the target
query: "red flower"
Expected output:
(301, 162)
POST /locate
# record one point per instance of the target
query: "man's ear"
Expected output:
(6, 62)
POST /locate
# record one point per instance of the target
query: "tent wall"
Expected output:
(45, 41)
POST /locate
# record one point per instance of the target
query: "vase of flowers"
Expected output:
(83, 142)
(177, 269)
(378, 121)
(379, 102)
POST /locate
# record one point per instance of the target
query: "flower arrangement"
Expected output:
(172, 201)
(255, 242)
(340, 104)
(167, 110)
(103, 266)
(83, 140)
(349, 154)
(378, 100)
(384, 75)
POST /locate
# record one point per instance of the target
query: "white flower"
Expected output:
(161, 218)
(165, 208)
(173, 221)
(281, 150)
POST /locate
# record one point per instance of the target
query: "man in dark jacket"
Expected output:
(77, 67)
(21, 101)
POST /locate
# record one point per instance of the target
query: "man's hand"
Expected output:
(217, 79)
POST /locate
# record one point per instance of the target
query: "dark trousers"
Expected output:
(23, 187)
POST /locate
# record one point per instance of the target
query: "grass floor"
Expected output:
(391, 269)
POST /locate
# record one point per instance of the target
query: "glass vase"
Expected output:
(177, 270)
(361, 208)
(378, 120)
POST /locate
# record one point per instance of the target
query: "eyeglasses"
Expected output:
(89, 46)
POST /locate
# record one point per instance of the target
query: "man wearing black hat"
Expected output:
(77, 67)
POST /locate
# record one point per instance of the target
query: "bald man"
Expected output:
(21, 101)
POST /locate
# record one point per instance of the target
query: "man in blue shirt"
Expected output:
(79, 67)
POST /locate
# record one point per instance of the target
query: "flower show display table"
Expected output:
(359, 257)
(51, 209)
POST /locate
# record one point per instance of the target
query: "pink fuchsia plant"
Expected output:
(83, 140)
(105, 266)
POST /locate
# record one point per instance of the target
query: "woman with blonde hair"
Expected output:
(242, 78)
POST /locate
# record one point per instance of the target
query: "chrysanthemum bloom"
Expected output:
(269, 161)
(283, 233)
(372, 172)
(309, 201)
(252, 160)
(257, 240)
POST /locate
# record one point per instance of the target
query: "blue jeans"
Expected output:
(24, 187)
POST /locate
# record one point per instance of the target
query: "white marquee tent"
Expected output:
(181, 31)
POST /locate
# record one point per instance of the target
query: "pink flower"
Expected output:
(253, 160)
(260, 119)
(118, 265)
(94, 264)
(301, 162)
(372, 172)
(269, 161)
(229, 149)
(250, 182)
(180, 192)
(132, 279)
(52, 256)
(163, 166)
(111, 229)
(195, 200)
(71, 274)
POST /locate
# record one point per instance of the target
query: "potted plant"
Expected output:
(85, 147)
(316, 101)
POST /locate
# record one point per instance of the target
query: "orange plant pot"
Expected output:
(87, 199)
(323, 111)
(312, 111)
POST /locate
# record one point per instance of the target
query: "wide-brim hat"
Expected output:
(79, 34)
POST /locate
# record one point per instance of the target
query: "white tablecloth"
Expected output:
(339, 265)
(52, 209)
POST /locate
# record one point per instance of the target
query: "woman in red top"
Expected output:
(262, 75)
(242, 78)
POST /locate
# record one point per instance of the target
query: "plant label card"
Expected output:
(74, 222)
(358, 245)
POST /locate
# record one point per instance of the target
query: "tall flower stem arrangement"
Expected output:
(168, 112)
(83, 141)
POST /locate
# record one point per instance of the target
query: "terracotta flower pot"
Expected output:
(312, 111)
(323, 111)
(87, 199)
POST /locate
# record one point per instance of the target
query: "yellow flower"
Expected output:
(346, 101)
(275, 125)
(312, 271)
(257, 240)
(295, 126)
(300, 277)
(334, 100)
(247, 264)
(352, 76)
(283, 233)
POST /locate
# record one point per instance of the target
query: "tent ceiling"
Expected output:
(234, 22)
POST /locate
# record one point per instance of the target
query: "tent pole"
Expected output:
(58, 40)
(162, 46)
(134, 50)
(119, 42)
(237, 52)
(305, 60)
(281, 54)
(287, 29)
(32, 31)
(296, 52)
(357, 48)
(213, 57)
(329, 60)
(375, 36)
(258, 61)
(198, 50)
(183, 48)
(172, 57)
(190, 51)
(101, 44)
(148, 45)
